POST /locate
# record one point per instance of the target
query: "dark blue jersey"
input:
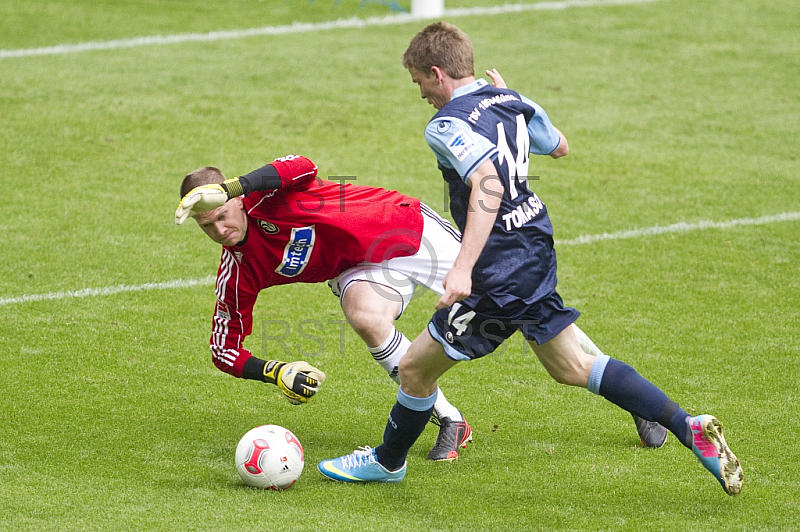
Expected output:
(483, 122)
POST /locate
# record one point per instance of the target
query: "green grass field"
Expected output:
(112, 416)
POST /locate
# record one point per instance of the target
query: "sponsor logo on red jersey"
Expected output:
(297, 252)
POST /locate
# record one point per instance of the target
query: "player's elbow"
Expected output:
(222, 362)
(561, 150)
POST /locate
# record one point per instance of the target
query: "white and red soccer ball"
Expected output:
(269, 457)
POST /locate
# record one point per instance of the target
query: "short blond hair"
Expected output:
(202, 176)
(444, 45)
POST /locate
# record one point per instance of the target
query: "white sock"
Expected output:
(443, 408)
(388, 355)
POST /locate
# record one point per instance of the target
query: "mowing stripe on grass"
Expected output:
(302, 27)
(681, 227)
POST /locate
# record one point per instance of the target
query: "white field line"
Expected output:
(681, 227)
(109, 290)
(585, 239)
(302, 27)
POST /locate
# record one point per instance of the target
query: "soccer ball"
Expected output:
(269, 457)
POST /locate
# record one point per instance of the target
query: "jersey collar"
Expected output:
(472, 87)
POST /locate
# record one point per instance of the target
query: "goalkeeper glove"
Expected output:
(298, 381)
(207, 198)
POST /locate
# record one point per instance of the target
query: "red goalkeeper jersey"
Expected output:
(308, 231)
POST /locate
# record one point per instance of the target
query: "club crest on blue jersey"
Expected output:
(297, 252)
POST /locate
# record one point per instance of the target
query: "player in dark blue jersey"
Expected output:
(504, 277)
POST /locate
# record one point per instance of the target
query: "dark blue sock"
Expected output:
(406, 422)
(623, 386)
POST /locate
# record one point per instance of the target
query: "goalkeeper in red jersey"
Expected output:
(281, 224)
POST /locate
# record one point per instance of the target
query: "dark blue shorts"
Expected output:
(467, 333)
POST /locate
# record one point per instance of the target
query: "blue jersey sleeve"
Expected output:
(457, 145)
(544, 136)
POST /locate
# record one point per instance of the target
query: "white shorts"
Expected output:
(402, 276)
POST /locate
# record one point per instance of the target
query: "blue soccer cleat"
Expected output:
(360, 466)
(708, 444)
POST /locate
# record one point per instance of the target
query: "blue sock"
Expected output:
(406, 422)
(623, 386)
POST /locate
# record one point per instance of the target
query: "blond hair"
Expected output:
(202, 176)
(444, 45)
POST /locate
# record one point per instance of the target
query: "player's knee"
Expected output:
(371, 317)
(415, 380)
(410, 373)
(370, 324)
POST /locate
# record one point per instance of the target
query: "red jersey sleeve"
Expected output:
(233, 316)
(296, 171)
